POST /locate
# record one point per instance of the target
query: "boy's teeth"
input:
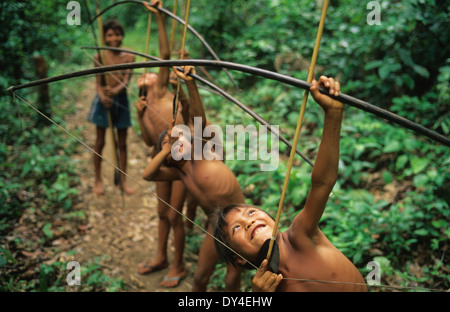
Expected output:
(257, 231)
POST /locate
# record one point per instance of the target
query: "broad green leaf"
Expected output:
(401, 162)
(421, 232)
(392, 147)
(421, 71)
(418, 164)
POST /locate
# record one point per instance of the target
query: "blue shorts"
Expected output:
(120, 112)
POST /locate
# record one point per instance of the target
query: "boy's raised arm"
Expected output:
(196, 108)
(164, 50)
(155, 171)
(182, 97)
(324, 174)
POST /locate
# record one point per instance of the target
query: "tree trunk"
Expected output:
(43, 102)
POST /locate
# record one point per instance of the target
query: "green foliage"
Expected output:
(391, 202)
(29, 29)
(401, 56)
(31, 168)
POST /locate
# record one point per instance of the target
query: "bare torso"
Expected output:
(319, 261)
(158, 115)
(212, 183)
(117, 77)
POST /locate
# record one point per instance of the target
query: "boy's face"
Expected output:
(113, 38)
(248, 229)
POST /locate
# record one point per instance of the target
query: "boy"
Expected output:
(112, 95)
(155, 113)
(200, 178)
(305, 252)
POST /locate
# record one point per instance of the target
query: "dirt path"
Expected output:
(126, 233)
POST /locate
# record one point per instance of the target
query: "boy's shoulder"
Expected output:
(121, 58)
(128, 57)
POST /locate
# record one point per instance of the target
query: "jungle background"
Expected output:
(391, 201)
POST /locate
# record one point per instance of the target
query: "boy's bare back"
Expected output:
(212, 183)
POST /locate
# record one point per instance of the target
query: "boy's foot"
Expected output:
(147, 268)
(98, 188)
(127, 190)
(173, 280)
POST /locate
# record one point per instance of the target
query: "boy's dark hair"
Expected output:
(114, 25)
(226, 254)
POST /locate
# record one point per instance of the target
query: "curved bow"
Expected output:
(220, 92)
(346, 99)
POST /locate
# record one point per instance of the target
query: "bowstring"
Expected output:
(183, 45)
(131, 91)
(15, 96)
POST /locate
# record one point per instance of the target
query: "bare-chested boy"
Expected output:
(112, 95)
(210, 182)
(305, 252)
(155, 114)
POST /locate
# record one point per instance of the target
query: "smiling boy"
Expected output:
(112, 96)
(305, 252)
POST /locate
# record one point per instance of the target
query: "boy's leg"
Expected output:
(177, 271)
(98, 148)
(206, 263)
(191, 204)
(123, 158)
(233, 278)
(163, 190)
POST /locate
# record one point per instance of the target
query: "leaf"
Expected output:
(47, 231)
(421, 232)
(420, 180)
(422, 71)
(387, 177)
(392, 147)
(410, 83)
(6, 256)
(439, 224)
(26, 168)
(418, 164)
(372, 65)
(384, 71)
(401, 162)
